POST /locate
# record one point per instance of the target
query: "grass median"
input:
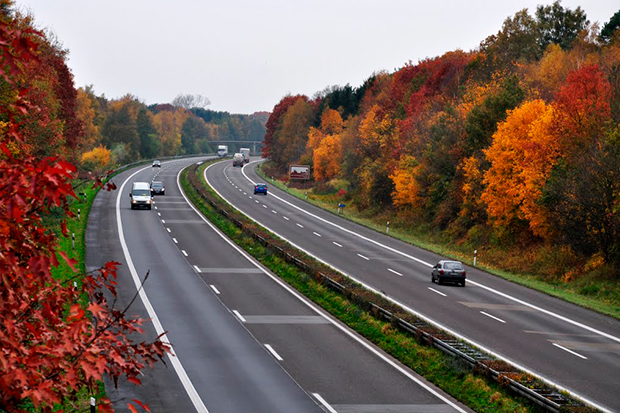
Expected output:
(451, 375)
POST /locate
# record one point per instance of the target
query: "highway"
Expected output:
(573, 348)
(243, 340)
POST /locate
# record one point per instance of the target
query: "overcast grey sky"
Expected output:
(245, 55)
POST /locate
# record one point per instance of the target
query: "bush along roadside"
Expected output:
(471, 376)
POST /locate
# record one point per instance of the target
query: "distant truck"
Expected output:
(222, 151)
(246, 154)
(238, 159)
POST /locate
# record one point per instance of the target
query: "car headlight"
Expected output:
(133, 201)
(149, 201)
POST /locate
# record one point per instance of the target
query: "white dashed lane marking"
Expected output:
(438, 292)
(570, 351)
(273, 352)
(336, 244)
(493, 317)
(316, 233)
(286, 218)
(184, 253)
(361, 256)
(300, 226)
(395, 272)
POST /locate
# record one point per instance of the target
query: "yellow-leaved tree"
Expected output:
(324, 145)
(406, 189)
(522, 155)
(97, 160)
(327, 158)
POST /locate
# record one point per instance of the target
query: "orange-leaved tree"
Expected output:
(522, 155)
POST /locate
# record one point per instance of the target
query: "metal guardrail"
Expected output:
(536, 391)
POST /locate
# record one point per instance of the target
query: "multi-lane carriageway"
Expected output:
(243, 340)
(573, 348)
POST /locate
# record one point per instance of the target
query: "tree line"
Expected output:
(515, 143)
(124, 130)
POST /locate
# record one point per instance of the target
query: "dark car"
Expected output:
(156, 164)
(157, 188)
(449, 271)
(260, 189)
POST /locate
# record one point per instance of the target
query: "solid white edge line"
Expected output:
(418, 314)
(438, 292)
(324, 403)
(361, 256)
(493, 317)
(174, 360)
(197, 268)
(570, 351)
(184, 253)
(273, 352)
(395, 272)
(311, 305)
(215, 290)
(239, 316)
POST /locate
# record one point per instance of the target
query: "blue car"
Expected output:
(260, 189)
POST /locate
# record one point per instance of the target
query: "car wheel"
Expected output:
(432, 279)
(149, 207)
(439, 281)
(462, 283)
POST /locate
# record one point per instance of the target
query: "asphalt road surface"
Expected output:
(243, 340)
(573, 348)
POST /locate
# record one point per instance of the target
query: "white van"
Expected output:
(141, 195)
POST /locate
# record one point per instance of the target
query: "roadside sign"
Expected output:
(299, 172)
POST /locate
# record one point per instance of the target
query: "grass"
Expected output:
(449, 374)
(595, 290)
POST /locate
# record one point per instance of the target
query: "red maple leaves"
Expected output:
(55, 338)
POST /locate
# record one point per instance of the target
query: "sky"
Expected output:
(245, 55)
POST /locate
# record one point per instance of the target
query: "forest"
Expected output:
(514, 145)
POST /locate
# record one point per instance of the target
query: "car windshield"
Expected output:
(261, 186)
(140, 192)
(453, 266)
(157, 185)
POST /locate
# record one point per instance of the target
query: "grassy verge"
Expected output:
(451, 375)
(594, 290)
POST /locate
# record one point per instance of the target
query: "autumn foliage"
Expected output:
(55, 338)
(492, 144)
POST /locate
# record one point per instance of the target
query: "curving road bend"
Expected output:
(243, 340)
(573, 348)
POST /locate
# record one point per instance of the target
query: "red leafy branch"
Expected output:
(51, 344)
